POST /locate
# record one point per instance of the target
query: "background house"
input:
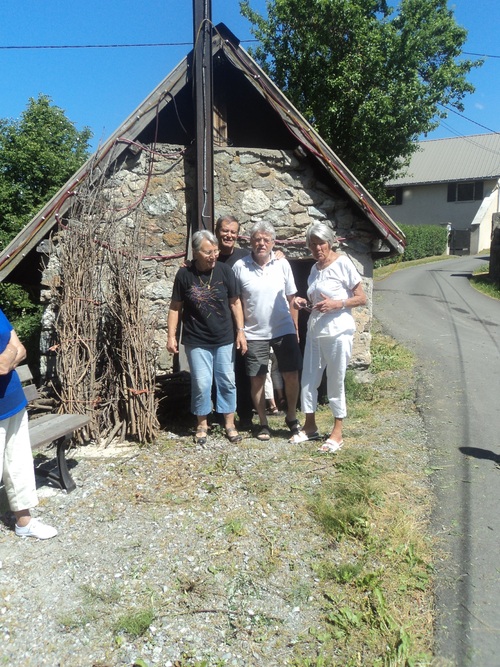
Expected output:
(453, 182)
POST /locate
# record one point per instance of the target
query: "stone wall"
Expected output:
(252, 184)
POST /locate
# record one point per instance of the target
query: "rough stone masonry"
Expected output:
(289, 191)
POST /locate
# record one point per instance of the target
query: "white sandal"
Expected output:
(330, 446)
(302, 436)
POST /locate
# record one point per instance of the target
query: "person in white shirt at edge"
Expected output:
(267, 293)
(334, 288)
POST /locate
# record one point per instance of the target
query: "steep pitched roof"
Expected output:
(167, 116)
(455, 159)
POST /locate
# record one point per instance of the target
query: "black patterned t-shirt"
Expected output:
(206, 315)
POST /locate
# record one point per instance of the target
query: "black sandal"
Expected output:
(263, 434)
(293, 425)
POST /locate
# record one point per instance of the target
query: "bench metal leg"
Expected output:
(65, 480)
(62, 476)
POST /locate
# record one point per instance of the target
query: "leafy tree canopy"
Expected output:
(369, 77)
(38, 153)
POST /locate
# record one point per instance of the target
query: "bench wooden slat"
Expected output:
(31, 392)
(50, 427)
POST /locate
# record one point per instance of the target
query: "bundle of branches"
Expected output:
(105, 352)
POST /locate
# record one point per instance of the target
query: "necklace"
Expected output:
(206, 284)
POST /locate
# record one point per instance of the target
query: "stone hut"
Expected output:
(269, 163)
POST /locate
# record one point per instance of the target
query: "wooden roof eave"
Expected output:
(309, 139)
(43, 222)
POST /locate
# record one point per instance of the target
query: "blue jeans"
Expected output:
(205, 363)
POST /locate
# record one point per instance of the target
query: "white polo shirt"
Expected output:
(264, 291)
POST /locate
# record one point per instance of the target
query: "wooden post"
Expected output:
(203, 210)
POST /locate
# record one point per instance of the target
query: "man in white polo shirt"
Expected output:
(267, 294)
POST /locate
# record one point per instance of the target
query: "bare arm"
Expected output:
(358, 298)
(237, 312)
(294, 311)
(174, 316)
(13, 354)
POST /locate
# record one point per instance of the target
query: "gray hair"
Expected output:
(323, 232)
(200, 236)
(263, 227)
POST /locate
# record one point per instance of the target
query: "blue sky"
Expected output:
(99, 88)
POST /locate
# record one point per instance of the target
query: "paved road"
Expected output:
(455, 333)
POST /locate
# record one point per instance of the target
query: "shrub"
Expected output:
(421, 241)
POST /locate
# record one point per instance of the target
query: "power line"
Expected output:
(461, 115)
(94, 46)
(479, 55)
(102, 46)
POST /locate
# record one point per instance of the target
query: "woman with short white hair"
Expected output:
(334, 289)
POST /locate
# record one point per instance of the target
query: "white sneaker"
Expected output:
(37, 529)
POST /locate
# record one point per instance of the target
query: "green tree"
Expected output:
(369, 77)
(38, 153)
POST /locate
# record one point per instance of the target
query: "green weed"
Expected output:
(235, 527)
(341, 507)
(388, 355)
(135, 623)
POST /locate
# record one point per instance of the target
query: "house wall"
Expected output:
(252, 184)
(428, 205)
(482, 224)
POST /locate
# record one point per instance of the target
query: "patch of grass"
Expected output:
(136, 623)
(342, 573)
(235, 527)
(481, 281)
(341, 507)
(388, 355)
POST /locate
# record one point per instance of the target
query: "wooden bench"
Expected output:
(52, 428)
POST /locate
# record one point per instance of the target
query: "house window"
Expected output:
(465, 191)
(394, 196)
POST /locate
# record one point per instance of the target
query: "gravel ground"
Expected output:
(211, 549)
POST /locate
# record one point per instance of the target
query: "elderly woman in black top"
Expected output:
(206, 299)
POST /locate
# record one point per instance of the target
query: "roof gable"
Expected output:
(258, 115)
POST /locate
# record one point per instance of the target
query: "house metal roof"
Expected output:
(126, 135)
(455, 159)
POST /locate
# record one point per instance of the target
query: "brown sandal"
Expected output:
(233, 436)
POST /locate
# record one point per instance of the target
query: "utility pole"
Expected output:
(203, 210)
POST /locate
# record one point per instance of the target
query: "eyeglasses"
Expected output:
(212, 253)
